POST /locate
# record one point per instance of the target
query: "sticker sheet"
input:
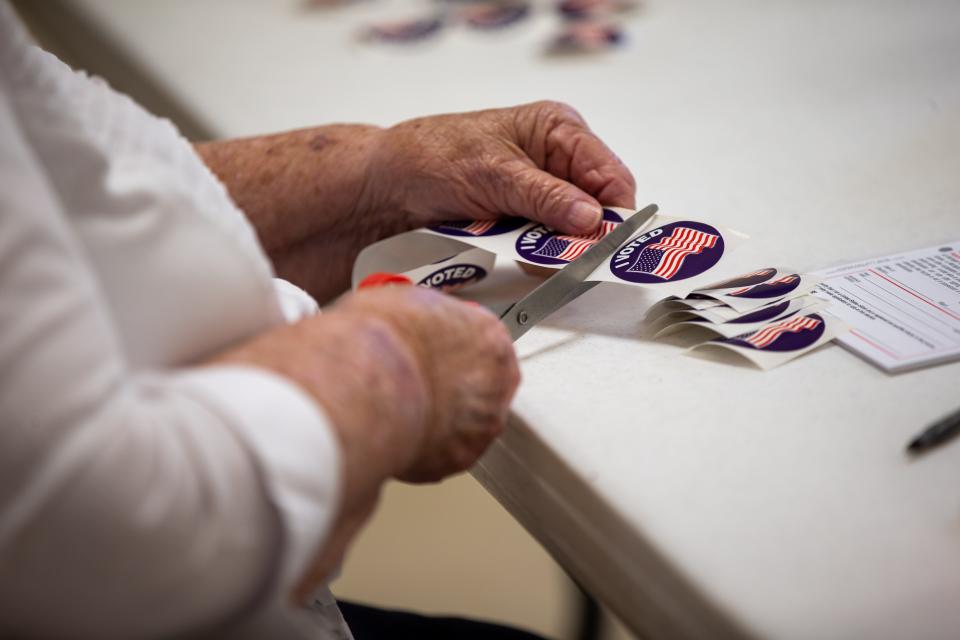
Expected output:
(766, 316)
(779, 342)
(455, 272)
(753, 321)
(677, 306)
(671, 255)
(760, 288)
(720, 314)
(739, 295)
(409, 252)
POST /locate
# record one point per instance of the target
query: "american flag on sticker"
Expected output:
(761, 273)
(768, 335)
(665, 257)
(570, 248)
(769, 283)
(404, 30)
(476, 228)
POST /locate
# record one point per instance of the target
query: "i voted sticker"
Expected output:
(763, 313)
(675, 251)
(453, 276)
(792, 334)
(542, 245)
(776, 288)
(673, 256)
(744, 280)
(479, 228)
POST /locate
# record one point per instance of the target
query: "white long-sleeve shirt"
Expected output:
(140, 496)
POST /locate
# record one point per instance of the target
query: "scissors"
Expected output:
(563, 287)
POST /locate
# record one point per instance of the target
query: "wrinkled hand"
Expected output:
(539, 161)
(416, 383)
(469, 370)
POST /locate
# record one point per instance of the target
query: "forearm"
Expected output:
(312, 197)
(369, 384)
(296, 184)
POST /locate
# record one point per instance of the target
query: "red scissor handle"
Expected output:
(381, 279)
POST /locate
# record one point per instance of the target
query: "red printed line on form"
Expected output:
(911, 292)
(875, 345)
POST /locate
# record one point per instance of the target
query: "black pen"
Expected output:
(937, 433)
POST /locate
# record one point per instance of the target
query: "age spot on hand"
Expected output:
(318, 142)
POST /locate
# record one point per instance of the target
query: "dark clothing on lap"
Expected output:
(369, 623)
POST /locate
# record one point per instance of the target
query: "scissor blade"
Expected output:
(568, 283)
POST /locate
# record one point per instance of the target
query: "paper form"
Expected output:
(904, 310)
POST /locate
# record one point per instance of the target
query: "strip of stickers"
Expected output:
(672, 255)
(767, 316)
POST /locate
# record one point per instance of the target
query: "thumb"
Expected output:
(540, 196)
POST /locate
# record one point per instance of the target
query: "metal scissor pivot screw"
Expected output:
(522, 317)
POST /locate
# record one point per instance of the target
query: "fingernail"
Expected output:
(584, 216)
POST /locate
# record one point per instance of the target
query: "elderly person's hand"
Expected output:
(416, 384)
(539, 161)
(317, 196)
